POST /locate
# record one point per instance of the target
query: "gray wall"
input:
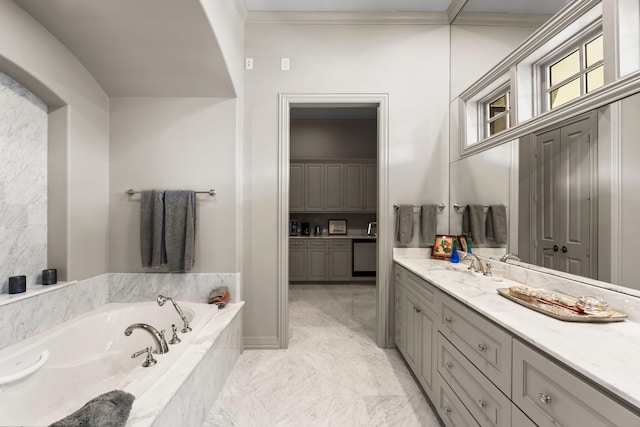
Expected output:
(23, 183)
(174, 143)
(333, 139)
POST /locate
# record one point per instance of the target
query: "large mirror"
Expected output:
(571, 193)
(571, 190)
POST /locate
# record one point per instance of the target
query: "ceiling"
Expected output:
(139, 48)
(544, 7)
(167, 48)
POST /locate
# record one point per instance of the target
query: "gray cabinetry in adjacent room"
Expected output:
(339, 259)
(333, 187)
(314, 187)
(297, 260)
(322, 189)
(296, 187)
(361, 187)
(317, 260)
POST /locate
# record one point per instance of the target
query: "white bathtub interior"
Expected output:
(87, 356)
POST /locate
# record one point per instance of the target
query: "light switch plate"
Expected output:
(248, 63)
(284, 64)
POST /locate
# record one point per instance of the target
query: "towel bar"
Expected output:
(131, 192)
(441, 206)
(457, 206)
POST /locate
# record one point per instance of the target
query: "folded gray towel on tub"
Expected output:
(473, 222)
(152, 228)
(428, 223)
(404, 224)
(180, 229)
(110, 409)
(497, 224)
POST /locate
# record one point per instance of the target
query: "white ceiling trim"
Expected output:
(243, 9)
(348, 18)
(501, 19)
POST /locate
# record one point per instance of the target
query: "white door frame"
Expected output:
(381, 101)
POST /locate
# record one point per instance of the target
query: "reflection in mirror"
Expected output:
(573, 187)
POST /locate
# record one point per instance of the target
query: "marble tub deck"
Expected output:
(332, 373)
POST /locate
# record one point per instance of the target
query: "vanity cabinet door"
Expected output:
(428, 321)
(552, 396)
(519, 419)
(399, 317)
(412, 324)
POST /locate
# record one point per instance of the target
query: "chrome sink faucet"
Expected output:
(476, 264)
(161, 299)
(158, 337)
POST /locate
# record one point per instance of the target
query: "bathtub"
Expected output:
(50, 375)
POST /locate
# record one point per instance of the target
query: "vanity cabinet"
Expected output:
(551, 395)
(480, 374)
(417, 323)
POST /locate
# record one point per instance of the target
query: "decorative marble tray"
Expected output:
(559, 312)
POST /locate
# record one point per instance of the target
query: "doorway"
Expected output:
(378, 102)
(564, 201)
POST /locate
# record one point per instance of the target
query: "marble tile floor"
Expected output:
(332, 374)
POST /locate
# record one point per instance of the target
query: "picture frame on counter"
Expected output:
(442, 246)
(463, 245)
(337, 227)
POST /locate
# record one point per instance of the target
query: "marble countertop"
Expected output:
(605, 353)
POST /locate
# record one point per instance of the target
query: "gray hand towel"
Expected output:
(428, 223)
(497, 224)
(107, 410)
(404, 224)
(180, 229)
(473, 222)
(152, 228)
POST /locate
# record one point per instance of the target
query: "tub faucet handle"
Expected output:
(174, 338)
(149, 361)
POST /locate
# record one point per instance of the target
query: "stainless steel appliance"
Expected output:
(364, 255)
(305, 229)
(293, 227)
(372, 229)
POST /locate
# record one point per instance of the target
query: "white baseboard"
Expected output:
(261, 343)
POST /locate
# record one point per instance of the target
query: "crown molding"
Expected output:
(348, 18)
(243, 9)
(454, 9)
(501, 19)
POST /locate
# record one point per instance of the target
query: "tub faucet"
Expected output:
(161, 299)
(158, 337)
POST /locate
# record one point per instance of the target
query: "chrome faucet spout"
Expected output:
(161, 299)
(158, 337)
(476, 263)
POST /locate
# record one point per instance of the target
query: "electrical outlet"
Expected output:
(285, 64)
(248, 63)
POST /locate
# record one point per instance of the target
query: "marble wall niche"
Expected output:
(23, 183)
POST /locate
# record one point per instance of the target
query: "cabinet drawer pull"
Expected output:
(544, 398)
(448, 320)
(446, 410)
(449, 365)
(482, 347)
(482, 403)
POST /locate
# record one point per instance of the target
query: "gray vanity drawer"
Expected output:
(318, 244)
(342, 243)
(552, 396)
(450, 408)
(483, 399)
(519, 419)
(297, 243)
(423, 289)
(486, 345)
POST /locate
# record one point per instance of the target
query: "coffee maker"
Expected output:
(305, 228)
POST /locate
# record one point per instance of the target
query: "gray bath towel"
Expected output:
(404, 224)
(180, 229)
(107, 410)
(428, 223)
(473, 222)
(152, 228)
(497, 224)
